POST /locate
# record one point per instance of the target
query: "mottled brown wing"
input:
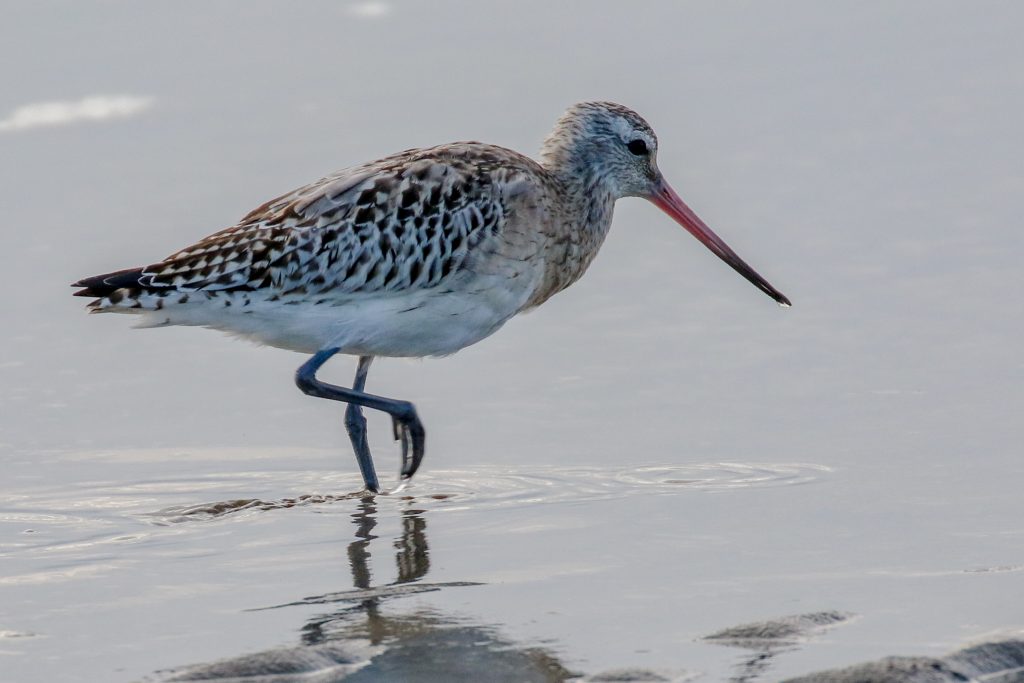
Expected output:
(407, 221)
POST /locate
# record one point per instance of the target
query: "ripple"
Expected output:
(204, 511)
(18, 634)
(582, 484)
(494, 487)
(362, 594)
(58, 575)
(39, 518)
(723, 476)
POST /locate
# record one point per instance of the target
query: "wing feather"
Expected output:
(403, 222)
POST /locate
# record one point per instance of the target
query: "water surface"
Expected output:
(657, 455)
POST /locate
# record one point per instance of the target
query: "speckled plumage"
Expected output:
(483, 226)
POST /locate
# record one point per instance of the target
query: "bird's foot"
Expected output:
(409, 431)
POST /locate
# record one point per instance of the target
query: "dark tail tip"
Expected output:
(104, 285)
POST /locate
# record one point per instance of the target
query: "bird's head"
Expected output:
(609, 145)
(606, 144)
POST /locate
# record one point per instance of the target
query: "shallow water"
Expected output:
(656, 456)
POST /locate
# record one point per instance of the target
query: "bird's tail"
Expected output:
(121, 291)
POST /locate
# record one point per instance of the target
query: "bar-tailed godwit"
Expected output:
(421, 253)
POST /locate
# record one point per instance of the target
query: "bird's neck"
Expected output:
(590, 201)
(587, 203)
(586, 185)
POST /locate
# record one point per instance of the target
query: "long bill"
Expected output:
(665, 198)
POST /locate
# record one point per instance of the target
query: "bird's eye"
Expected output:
(637, 147)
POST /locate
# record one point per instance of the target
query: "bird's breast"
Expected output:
(568, 250)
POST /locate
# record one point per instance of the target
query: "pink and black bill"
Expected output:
(665, 198)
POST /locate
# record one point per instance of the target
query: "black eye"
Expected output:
(637, 147)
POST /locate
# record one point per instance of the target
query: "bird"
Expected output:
(417, 254)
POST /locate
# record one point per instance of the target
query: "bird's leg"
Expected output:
(406, 422)
(355, 424)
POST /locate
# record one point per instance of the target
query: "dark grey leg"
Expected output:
(403, 414)
(355, 423)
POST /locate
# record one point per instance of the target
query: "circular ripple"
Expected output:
(496, 488)
(491, 487)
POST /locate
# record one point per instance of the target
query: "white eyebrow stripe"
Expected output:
(623, 129)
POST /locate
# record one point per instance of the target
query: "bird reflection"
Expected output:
(359, 549)
(412, 560)
(365, 639)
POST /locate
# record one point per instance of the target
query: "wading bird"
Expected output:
(421, 253)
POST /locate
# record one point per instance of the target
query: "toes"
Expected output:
(418, 436)
(408, 430)
(404, 430)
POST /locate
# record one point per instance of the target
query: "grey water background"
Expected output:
(657, 454)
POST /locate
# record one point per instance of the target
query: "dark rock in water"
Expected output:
(888, 670)
(461, 653)
(765, 640)
(779, 631)
(317, 664)
(435, 655)
(989, 658)
(995, 662)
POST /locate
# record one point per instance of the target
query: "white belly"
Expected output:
(431, 322)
